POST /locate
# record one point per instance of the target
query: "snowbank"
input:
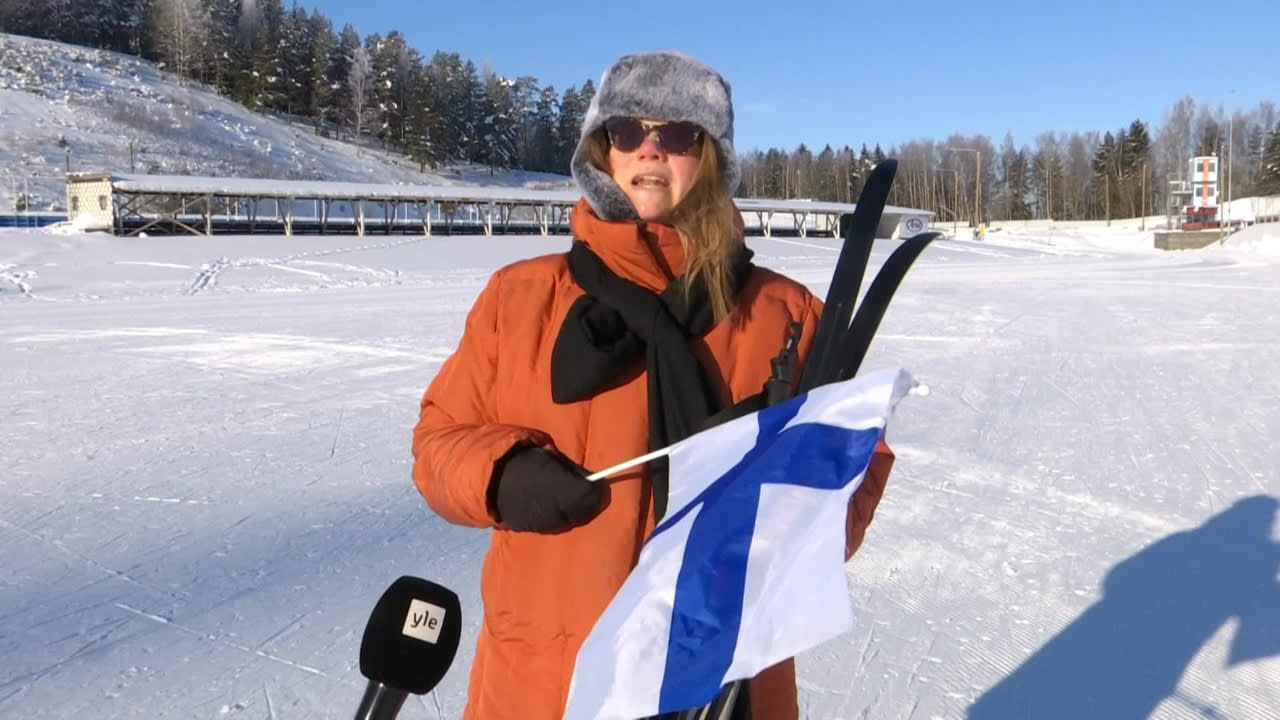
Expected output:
(1258, 241)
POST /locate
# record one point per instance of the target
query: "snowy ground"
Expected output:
(206, 476)
(64, 106)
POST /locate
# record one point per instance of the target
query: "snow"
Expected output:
(68, 107)
(1257, 240)
(206, 486)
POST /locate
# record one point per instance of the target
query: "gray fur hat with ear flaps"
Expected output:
(664, 85)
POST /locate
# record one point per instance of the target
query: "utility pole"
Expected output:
(1230, 146)
(977, 202)
(1144, 197)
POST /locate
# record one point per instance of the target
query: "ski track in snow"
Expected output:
(205, 493)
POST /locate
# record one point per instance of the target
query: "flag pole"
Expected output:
(661, 452)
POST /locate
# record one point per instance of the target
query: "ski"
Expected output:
(846, 279)
(866, 321)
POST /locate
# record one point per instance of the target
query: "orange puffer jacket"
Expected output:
(543, 592)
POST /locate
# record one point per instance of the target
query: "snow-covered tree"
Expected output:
(296, 46)
(568, 128)
(424, 127)
(539, 152)
(321, 91)
(1268, 182)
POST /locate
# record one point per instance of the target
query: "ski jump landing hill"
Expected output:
(129, 204)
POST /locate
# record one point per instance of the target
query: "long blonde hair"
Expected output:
(704, 218)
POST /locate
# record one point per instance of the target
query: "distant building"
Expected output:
(89, 201)
(1204, 181)
(1194, 201)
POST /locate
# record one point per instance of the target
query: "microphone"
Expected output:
(408, 644)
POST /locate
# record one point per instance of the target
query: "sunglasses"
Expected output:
(676, 138)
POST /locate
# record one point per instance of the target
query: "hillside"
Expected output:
(63, 105)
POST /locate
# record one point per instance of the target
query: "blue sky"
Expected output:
(850, 72)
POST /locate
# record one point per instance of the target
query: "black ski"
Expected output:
(846, 279)
(856, 341)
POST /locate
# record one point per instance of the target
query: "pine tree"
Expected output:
(247, 88)
(483, 118)
(222, 57)
(568, 128)
(17, 16)
(524, 102)
(775, 169)
(393, 66)
(297, 44)
(800, 178)
(1269, 177)
(262, 81)
(453, 81)
(1103, 164)
(423, 125)
(474, 113)
(503, 125)
(859, 171)
(339, 77)
(1255, 147)
(846, 174)
(540, 153)
(50, 19)
(1014, 183)
(825, 175)
(1135, 173)
(321, 88)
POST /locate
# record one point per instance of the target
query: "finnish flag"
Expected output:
(747, 569)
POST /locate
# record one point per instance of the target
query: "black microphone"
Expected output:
(408, 644)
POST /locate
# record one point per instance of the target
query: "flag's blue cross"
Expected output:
(707, 612)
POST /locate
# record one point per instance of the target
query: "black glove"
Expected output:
(541, 490)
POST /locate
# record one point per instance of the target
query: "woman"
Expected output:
(651, 324)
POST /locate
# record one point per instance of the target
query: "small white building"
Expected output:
(89, 201)
(1203, 176)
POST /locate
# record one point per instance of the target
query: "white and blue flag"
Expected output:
(747, 569)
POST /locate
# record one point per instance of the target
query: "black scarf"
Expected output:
(617, 322)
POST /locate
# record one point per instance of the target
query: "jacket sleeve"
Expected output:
(457, 441)
(862, 508)
(866, 498)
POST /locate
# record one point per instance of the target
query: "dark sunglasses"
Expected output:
(676, 138)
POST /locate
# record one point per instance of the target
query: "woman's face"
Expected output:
(653, 179)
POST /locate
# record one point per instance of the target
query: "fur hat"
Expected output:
(664, 85)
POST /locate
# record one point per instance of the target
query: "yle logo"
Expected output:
(424, 621)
